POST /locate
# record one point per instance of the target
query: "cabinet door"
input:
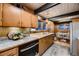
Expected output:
(34, 21)
(10, 52)
(41, 46)
(51, 40)
(50, 25)
(11, 15)
(45, 43)
(26, 19)
(0, 14)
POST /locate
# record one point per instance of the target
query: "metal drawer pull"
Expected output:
(28, 47)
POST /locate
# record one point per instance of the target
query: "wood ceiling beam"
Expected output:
(45, 7)
(66, 15)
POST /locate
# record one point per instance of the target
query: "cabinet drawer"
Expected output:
(11, 52)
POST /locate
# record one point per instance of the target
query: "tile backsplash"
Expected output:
(5, 30)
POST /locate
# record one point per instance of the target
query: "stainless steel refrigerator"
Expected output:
(74, 34)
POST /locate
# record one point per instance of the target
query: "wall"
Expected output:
(5, 30)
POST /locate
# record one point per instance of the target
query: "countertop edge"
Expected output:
(10, 47)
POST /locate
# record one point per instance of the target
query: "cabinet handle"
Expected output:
(29, 47)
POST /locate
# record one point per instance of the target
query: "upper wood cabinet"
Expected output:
(26, 19)
(34, 21)
(11, 15)
(75, 19)
(14, 16)
(50, 25)
(0, 14)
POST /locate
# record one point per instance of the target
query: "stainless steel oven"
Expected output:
(29, 49)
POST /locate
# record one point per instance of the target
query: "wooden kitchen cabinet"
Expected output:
(50, 39)
(34, 21)
(42, 46)
(26, 19)
(11, 52)
(50, 25)
(45, 43)
(16, 17)
(1, 14)
(11, 15)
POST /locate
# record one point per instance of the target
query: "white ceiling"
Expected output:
(60, 9)
(34, 6)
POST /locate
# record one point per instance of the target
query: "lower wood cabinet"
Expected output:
(41, 46)
(11, 52)
(45, 43)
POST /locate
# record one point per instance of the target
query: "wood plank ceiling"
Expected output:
(60, 9)
(63, 9)
(33, 6)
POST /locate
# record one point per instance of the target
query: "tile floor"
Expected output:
(62, 43)
(57, 50)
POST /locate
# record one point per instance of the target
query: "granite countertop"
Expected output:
(7, 44)
(40, 35)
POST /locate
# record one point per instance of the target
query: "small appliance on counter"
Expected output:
(15, 36)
